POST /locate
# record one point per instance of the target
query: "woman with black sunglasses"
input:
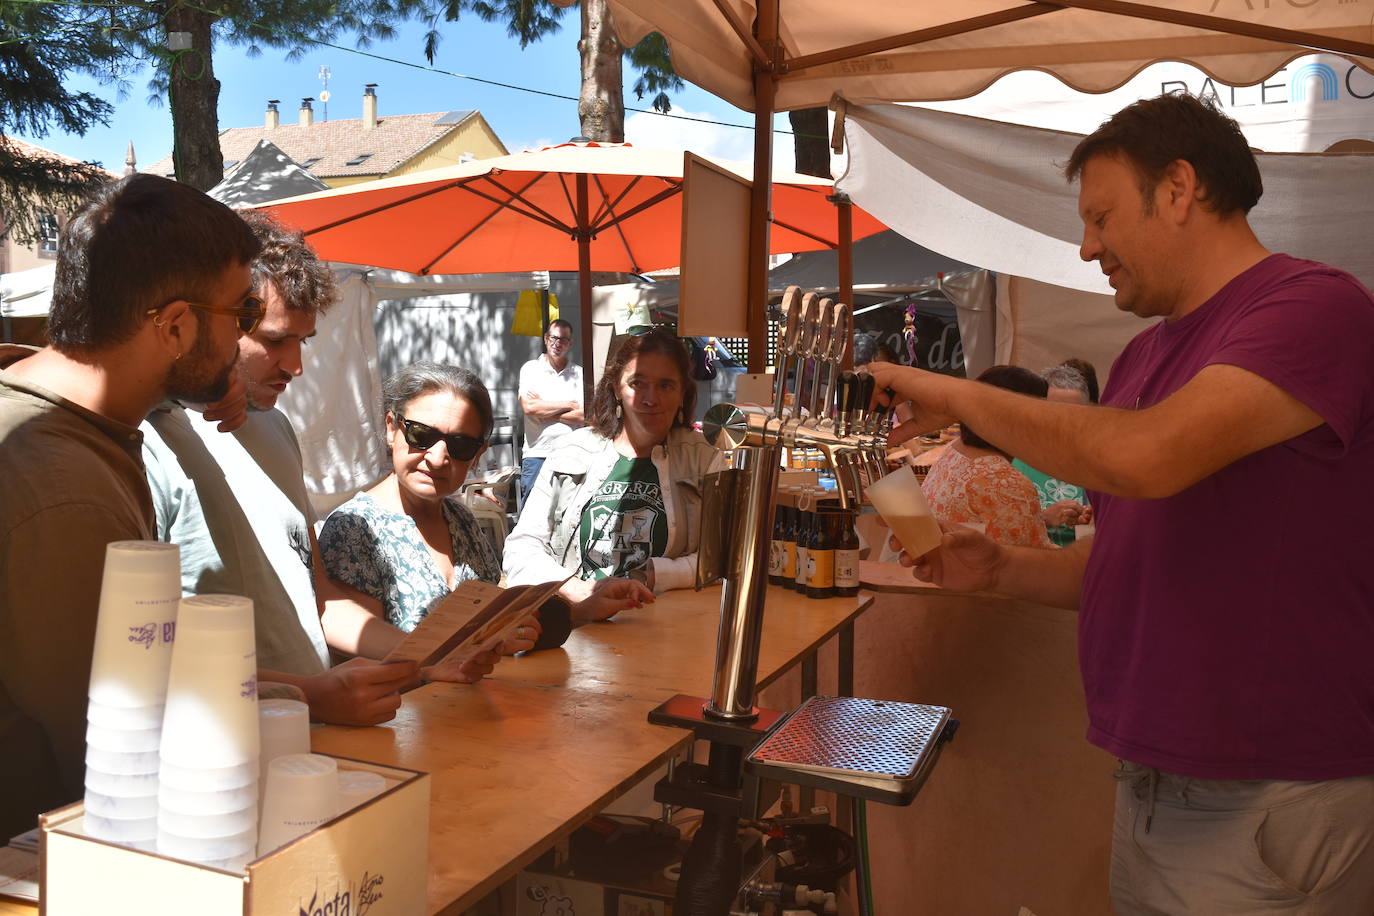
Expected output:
(405, 542)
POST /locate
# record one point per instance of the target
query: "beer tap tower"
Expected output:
(870, 749)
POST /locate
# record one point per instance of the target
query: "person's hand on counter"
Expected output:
(361, 691)
(524, 637)
(604, 598)
(966, 560)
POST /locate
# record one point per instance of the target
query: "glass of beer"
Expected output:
(899, 500)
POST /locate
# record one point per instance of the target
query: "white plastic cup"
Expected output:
(284, 728)
(205, 826)
(211, 720)
(357, 787)
(124, 717)
(140, 833)
(121, 764)
(1080, 532)
(899, 500)
(221, 801)
(121, 783)
(302, 792)
(124, 740)
(136, 626)
(206, 849)
(121, 807)
(207, 779)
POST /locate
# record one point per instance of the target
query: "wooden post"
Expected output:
(760, 198)
(584, 283)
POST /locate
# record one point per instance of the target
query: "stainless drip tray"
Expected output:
(880, 750)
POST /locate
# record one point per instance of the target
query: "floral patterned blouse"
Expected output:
(988, 490)
(380, 553)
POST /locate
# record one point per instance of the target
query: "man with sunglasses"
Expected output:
(551, 397)
(238, 507)
(152, 283)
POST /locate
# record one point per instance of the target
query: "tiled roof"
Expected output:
(337, 147)
(38, 152)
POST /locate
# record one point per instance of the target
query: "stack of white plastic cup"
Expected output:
(284, 727)
(139, 592)
(208, 793)
(302, 792)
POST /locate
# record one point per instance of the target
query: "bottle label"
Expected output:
(821, 564)
(774, 557)
(789, 560)
(846, 568)
(803, 566)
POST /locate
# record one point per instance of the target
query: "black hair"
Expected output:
(1012, 378)
(1153, 133)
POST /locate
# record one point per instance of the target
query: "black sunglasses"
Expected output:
(249, 315)
(422, 437)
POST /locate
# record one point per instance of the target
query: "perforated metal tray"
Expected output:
(876, 749)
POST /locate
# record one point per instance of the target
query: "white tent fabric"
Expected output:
(993, 194)
(265, 174)
(1306, 107)
(27, 293)
(880, 50)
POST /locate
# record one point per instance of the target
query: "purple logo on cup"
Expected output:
(250, 688)
(145, 635)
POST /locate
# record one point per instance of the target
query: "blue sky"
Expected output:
(469, 47)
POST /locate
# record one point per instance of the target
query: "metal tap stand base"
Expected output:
(691, 785)
(879, 750)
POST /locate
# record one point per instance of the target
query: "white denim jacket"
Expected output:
(544, 544)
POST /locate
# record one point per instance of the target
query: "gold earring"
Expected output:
(158, 321)
(177, 357)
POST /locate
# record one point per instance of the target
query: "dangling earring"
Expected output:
(177, 357)
(617, 410)
(681, 418)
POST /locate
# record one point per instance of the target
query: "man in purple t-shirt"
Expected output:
(1226, 635)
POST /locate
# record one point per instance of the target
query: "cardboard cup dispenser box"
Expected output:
(372, 859)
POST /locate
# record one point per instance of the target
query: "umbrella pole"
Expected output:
(760, 195)
(844, 211)
(584, 283)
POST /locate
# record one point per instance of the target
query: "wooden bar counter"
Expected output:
(520, 760)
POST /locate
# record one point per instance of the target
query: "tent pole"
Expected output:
(760, 195)
(584, 283)
(844, 213)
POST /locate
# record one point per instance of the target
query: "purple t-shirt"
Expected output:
(1227, 632)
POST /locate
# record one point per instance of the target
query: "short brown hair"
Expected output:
(304, 282)
(1152, 133)
(658, 340)
(142, 242)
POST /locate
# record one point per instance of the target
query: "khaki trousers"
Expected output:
(1201, 846)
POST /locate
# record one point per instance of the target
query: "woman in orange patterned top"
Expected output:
(973, 481)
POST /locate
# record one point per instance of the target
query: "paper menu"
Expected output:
(475, 617)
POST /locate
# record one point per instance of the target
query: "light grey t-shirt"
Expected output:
(236, 504)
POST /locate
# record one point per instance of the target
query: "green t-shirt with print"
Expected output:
(1051, 491)
(625, 523)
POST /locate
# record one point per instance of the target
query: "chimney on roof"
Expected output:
(273, 118)
(370, 106)
(307, 113)
(130, 161)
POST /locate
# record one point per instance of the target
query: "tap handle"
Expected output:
(867, 385)
(847, 401)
